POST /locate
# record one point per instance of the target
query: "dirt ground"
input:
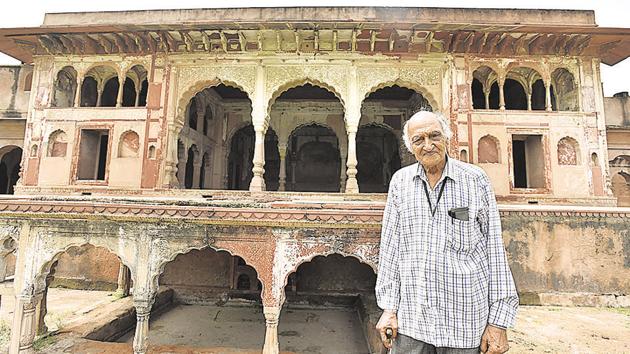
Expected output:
(539, 329)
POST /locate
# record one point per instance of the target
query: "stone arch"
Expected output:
(10, 167)
(568, 151)
(488, 150)
(194, 89)
(28, 82)
(57, 144)
(45, 264)
(565, 89)
(293, 83)
(433, 103)
(485, 75)
(294, 267)
(294, 153)
(135, 86)
(129, 144)
(158, 269)
(64, 87)
(526, 76)
(102, 74)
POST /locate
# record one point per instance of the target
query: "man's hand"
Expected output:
(494, 340)
(388, 320)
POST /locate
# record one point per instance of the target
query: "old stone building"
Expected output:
(126, 137)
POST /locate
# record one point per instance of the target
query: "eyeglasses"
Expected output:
(420, 140)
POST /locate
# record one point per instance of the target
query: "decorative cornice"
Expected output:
(277, 214)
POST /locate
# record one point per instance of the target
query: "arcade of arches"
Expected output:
(305, 145)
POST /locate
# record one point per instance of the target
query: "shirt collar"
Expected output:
(449, 171)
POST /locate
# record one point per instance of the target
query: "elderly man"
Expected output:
(443, 280)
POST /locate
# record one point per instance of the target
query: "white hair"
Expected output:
(446, 128)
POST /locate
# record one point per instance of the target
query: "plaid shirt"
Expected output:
(446, 278)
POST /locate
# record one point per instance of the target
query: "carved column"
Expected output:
(77, 93)
(259, 119)
(282, 179)
(342, 174)
(486, 94)
(143, 311)
(548, 96)
(529, 101)
(181, 166)
(24, 324)
(119, 97)
(172, 156)
(137, 102)
(272, 314)
(124, 281)
(501, 94)
(258, 181)
(99, 92)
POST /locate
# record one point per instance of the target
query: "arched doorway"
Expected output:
(383, 114)
(241, 159)
(209, 117)
(216, 304)
(313, 160)
(10, 158)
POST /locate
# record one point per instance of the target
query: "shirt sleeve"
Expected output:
(388, 279)
(502, 296)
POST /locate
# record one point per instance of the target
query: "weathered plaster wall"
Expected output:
(15, 90)
(568, 254)
(87, 267)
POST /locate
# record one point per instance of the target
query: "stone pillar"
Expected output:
(137, 102)
(24, 324)
(77, 93)
(171, 168)
(529, 101)
(351, 174)
(181, 166)
(342, 174)
(282, 179)
(141, 336)
(501, 95)
(548, 107)
(99, 92)
(124, 281)
(272, 314)
(258, 181)
(486, 94)
(119, 97)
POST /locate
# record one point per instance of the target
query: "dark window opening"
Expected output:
(538, 96)
(110, 93)
(514, 94)
(129, 93)
(144, 88)
(478, 97)
(93, 153)
(243, 282)
(528, 161)
(192, 114)
(494, 96)
(89, 92)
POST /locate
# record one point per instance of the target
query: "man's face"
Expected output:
(428, 141)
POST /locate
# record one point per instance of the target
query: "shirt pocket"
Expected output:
(463, 236)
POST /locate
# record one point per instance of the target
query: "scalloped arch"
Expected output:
(292, 83)
(306, 124)
(154, 281)
(406, 84)
(199, 86)
(294, 268)
(43, 268)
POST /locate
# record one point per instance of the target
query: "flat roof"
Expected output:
(332, 14)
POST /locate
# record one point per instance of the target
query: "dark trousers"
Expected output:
(407, 345)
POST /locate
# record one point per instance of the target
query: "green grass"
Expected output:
(43, 342)
(621, 310)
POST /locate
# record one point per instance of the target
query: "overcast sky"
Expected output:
(609, 13)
